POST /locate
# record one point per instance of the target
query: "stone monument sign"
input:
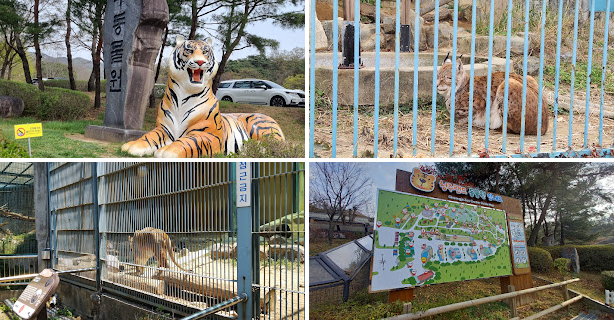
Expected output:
(132, 38)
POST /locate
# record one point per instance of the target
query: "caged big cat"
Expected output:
(479, 109)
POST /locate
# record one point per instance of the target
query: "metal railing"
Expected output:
(17, 265)
(597, 136)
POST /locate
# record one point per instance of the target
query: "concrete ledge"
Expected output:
(112, 134)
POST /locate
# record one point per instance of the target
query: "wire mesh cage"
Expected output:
(18, 244)
(166, 234)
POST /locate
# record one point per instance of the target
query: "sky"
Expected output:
(383, 177)
(288, 38)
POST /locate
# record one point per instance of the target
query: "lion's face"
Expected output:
(192, 64)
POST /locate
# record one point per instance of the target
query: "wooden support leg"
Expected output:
(565, 294)
(513, 303)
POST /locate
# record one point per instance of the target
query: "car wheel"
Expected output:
(277, 101)
(227, 98)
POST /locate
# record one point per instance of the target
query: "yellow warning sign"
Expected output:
(28, 130)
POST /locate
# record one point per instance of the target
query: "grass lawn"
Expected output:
(375, 306)
(64, 139)
(590, 283)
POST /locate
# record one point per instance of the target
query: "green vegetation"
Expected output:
(561, 264)
(580, 76)
(11, 149)
(52, 104)
(81, 85)
(540, 260)
(607, 280)
(595, 258)
(65, 138)
(18, 244)
(65, 311)
(59, 139)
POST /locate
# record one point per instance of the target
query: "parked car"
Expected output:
(259, 92)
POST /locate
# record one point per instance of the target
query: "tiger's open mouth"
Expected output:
(196, 75)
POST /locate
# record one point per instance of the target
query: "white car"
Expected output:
(259, 92)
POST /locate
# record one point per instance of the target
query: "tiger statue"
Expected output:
(150, 242)
(189, 122)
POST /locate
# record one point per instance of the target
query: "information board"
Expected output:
(421, 240)
(520, 258)
(37, 293)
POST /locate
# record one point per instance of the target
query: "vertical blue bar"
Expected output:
(604, 56)
(97, 235)
(453, 76)
(525, 53)
(434, 89)
(542, 67)
(396, 103)
(377, 80)
(244, 253)
(335, 65)
(472, 57)
(589, 68)
(506, 77)
(357, 36)
(557, 63)
(312, 73)
(572, 71)
(488, 107)
(415, 83)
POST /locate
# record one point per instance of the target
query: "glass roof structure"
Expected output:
(16, 174)
(340, 264)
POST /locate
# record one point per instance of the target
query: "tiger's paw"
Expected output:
(170, 151)
(138, 148)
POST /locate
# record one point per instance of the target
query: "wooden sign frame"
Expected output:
(510, 205)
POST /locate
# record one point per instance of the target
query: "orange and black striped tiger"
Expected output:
(189, 123)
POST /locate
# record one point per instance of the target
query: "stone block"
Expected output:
(11, 106)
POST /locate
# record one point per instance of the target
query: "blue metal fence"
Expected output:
(594, 127)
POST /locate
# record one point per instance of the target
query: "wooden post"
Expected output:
(404, 295)
(520, 282)
(565, 294)
(513, 303)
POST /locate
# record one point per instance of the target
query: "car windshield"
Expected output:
(273, 85)
(224, 85)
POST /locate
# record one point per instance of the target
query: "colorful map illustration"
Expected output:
(420, 240)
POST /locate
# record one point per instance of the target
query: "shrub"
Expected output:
(11, 149)
(81, 85)
(540, 260)
(269, 147)
(607, 280)
(52, 104)
(28, 93)
(561, 264)
(592, 258)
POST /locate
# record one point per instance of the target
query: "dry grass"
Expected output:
(460, 144)
(375, 306)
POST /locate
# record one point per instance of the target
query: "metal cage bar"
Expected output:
(504, 144)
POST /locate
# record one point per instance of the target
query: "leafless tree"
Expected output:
(336, 187)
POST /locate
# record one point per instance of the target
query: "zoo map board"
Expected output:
(421, 240)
